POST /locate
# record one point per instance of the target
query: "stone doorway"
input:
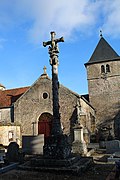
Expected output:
(45, 124)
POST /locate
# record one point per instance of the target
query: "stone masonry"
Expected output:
(29, 107)
(104, 88)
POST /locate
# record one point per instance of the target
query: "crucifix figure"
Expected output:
(53, 51)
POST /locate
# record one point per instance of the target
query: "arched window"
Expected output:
(107, 68)
(102, 69)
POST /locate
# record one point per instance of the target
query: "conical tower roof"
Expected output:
(103, 52)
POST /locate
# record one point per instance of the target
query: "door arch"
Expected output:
(45, 124)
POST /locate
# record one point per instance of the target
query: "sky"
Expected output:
(25, 24)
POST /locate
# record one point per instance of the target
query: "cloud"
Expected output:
(64, 16)
(111, 24)
(40, 17)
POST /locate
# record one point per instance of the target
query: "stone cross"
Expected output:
(53, 51)
(53, 41)
(44, 69)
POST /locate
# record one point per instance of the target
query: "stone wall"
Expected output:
(32, 104)
(67, 108)
(38, 99)
(8, 134)
(88, 115)
(5, 116)
(29, 107)
(104, 92)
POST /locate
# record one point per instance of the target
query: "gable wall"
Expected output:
(31, 105)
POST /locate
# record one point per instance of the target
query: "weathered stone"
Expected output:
(57, 145)
(9, 133)
(32, 105)
(79, 148)
(79, 145)
(74, 165)
(104, 93)
(12, 154)
(102, 144)
(112, 146)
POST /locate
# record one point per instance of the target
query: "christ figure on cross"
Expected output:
(53, 51)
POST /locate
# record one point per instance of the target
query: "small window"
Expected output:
(10, 136)
(12, 114)
(45, 95)
(107, 68)
(102, 69)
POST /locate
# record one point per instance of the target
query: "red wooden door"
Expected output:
(44, 127)
(45, 124)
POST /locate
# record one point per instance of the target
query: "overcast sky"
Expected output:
(25, 24)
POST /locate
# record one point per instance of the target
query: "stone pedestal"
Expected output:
(57, 147)
(79, 148)
(78, 134)
(79, 145)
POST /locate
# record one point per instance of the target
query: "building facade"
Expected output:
(30, 109)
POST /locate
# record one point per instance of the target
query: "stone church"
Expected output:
(27, 111)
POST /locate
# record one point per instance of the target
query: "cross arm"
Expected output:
(59, 40)
(55, 40)
(46, 43)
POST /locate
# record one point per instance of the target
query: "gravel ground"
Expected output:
(101, 170)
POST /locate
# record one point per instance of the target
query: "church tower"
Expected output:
(103, 75)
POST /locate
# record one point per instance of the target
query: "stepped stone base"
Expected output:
(75, 165)
(54, 162)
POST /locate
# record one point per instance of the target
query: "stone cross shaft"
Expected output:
(53, 51)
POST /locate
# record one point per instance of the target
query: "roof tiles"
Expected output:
(7, 97)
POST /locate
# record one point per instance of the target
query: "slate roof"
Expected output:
(86, 96)
(103, 52)
(7, 97)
